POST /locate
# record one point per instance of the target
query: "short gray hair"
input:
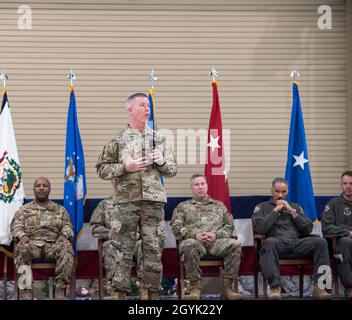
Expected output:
(196, 175)
(131, 98)
(279, 180)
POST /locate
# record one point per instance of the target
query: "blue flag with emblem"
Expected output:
(75, 189)
(151, 120)
(297, 168)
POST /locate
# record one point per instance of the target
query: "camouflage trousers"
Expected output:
(62, 253)
(147, 218)
(138, 253)
(192, 250)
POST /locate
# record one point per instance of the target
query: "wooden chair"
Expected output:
(287, 260)
(39, 264)
(205, 261)
(7, 253)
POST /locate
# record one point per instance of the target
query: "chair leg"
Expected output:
(101, 286)
(181, 280)
(68, 290)
(265, 288)
(235, 284)
(301, 282)
(51, 288)
(5, 278)
(101, 272)
(179, 287)
(256, 285)
(15, 286)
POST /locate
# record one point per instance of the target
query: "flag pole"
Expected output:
(4, 77)
(72, 77)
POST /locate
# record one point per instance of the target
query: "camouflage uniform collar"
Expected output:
(49, 205)
(147, 130)
(207, 199)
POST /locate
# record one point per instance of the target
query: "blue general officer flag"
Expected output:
(151, 121)
(75, 188)
(297, 167)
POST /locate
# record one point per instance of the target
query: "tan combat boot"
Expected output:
(60, 294)
(27, 294)
(348, 293)
(118, 295)
(195, 291)
(153, 295)
(143, 293)
(275, 293)
(320, 294)
(226, 290)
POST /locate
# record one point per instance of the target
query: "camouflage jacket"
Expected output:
(104, 222)
(142, 185)
(100, 222)
(41, 224)
(207, 215)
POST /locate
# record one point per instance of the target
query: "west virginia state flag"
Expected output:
(75, 188)
(11, 186)
(215, 170)
(297, 168)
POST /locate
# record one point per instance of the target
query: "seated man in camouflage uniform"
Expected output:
(287, 230)
(101, 222)
(204, 226)
(337, 220)
(44, 230)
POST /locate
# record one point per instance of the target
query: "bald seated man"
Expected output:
(44, 230)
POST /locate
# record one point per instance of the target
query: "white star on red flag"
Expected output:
(214, 143)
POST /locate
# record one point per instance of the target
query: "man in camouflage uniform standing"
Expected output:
(44, 230)
(204, 226)
(337, 220)
(136, 157)
(100, 223)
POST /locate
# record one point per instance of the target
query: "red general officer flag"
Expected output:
(215, 169)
